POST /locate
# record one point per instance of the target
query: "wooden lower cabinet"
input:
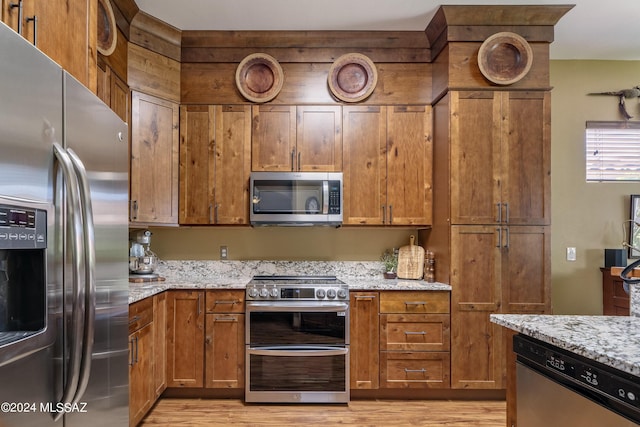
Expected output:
(185, 339)
(224, 339)
(141, 350)
(615, 301)
(364, 348)
(159, 341)
(414, 339)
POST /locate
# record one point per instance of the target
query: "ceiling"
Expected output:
(593, 29)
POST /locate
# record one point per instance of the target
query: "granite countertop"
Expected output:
(611, 340)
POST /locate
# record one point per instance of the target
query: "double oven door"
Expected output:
(297, 352)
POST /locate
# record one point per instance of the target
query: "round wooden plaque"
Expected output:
(259, 77)
(107, 30)
(505, 58)
(352, 77)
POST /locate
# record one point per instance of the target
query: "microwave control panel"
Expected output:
(334, 197)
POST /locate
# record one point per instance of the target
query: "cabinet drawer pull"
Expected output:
(226, 319)
(415, 303)
(365, 297)
(422, 371)
(134, 319)
(226, 302)
(415, 333)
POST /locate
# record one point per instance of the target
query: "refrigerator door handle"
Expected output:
(90, 268)
(77, 313)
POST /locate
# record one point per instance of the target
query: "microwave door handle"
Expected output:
(90, 267)
(325, 197)
(77, 313)
(298, 351)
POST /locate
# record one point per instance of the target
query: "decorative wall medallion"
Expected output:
(107, 30)
(505, 58)
(352, 77)
(259, 77)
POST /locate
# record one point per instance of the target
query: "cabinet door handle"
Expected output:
(131, 350)
(198, 303)
(390, 214)
(415, 333)
(134, 319)
(507, 239)
(384, 213)
(34, 19)
(506, 208)
(210, 213)
(215, 213)
(499, 230)
(20, 9)
(134, 210)
(136, 360)
(422, 370)
(499, 209)
(299, 160)
(293, 153)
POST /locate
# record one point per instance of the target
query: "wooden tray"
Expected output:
(411, 261)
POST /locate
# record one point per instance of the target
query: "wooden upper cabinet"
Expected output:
(387, 165)
(319, 138)
(215, 163)
(289, 138)
(64, 30)
(409, 165)
(113, 91)
(154, 160)
(365, 165)
(500, 152)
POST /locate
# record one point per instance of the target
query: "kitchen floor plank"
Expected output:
(230, 412)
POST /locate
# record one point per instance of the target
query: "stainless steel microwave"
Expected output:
(296, 198)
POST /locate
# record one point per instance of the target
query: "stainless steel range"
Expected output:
(297, 339)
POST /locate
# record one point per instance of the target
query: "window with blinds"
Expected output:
(613, 151)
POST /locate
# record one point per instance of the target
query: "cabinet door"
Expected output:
(119, 97)
(526, 269)
(141, 393)
(409, 165)
(196, 164)
(526, 158)
(364, 146)
(185, 339)
(364, 348)
(154, 160)
(232, 164)
(476, 349)
(66, 32)
(160, 343)
(319, 138)
(224, 344)
(273, 139)
(475, 157)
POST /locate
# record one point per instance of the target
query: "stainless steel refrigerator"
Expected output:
(63, 247)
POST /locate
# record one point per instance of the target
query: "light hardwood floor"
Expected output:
(232, 412)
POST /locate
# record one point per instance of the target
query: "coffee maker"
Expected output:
(142, 260)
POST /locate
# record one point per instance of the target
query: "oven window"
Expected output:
(297, 373)
(297, 328)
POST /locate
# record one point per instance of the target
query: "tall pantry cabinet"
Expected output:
(492, 151)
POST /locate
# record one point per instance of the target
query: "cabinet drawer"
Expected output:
(140, 314)
(225, 301)
(414, 302)
(414, 332)
(414, 369)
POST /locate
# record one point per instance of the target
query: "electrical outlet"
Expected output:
(224, 253)
(571, 254)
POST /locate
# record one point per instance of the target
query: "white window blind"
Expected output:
(613, 151)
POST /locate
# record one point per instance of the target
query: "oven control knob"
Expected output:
(331, 293)
(253, 293)
(264, 293)
(320, 293)
(273, 293)
(342, 293)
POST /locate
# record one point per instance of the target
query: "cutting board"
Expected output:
(410, 260)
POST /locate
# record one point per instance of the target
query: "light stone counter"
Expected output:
(612, 340)
(359, 275)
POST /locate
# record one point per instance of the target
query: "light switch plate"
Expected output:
(571, 254)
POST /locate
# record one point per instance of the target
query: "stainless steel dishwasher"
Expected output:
(559, 388)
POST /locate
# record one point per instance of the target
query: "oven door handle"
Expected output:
(270, 306)
(304, 351)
